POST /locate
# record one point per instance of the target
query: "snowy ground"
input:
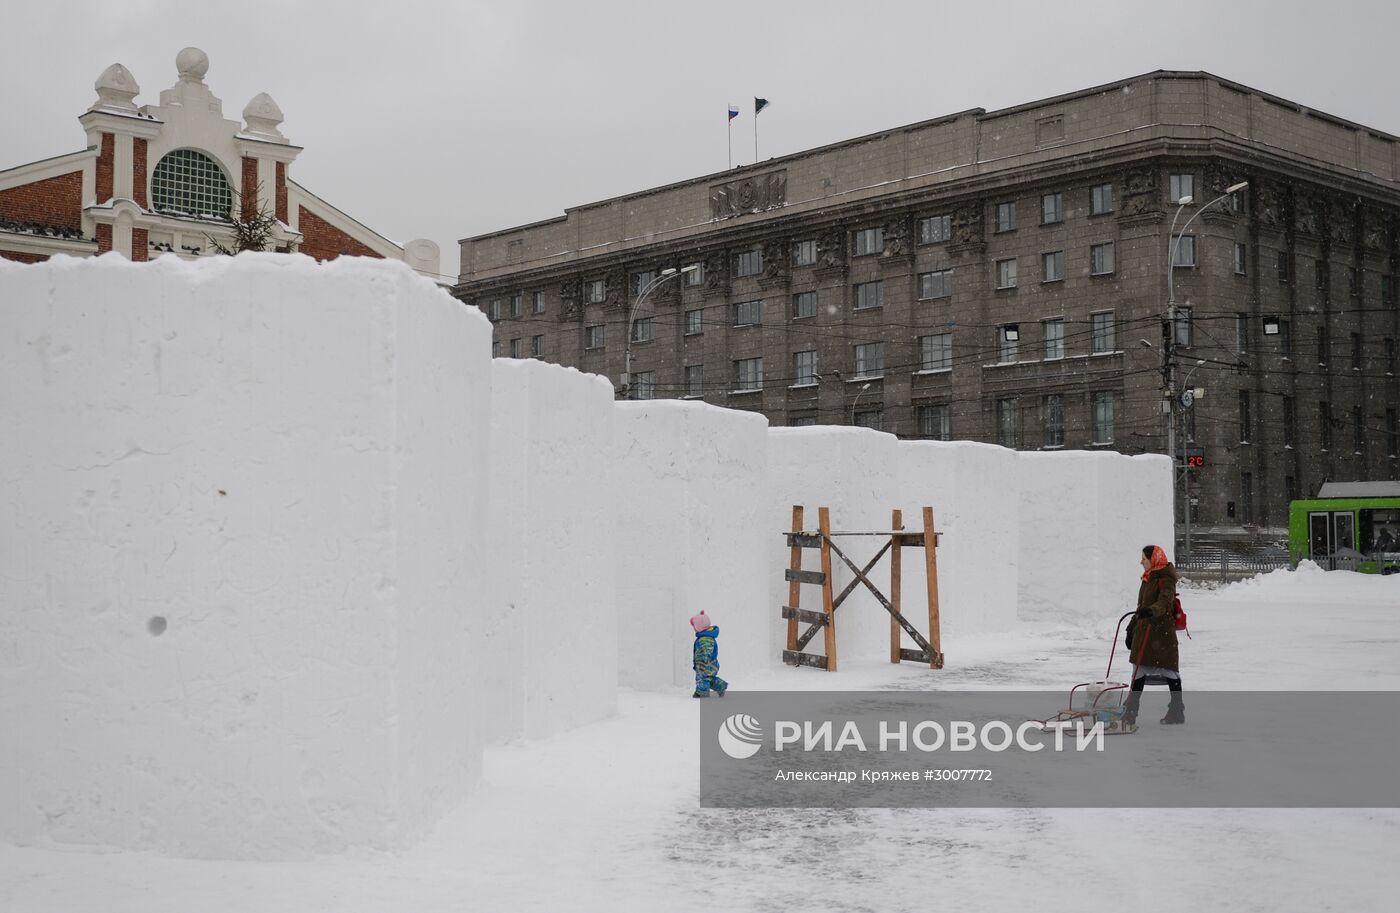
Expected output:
(605, 818)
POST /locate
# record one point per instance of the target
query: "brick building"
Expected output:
(1002, 276)
(165, 179)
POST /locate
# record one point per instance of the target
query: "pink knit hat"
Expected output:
(700, 622)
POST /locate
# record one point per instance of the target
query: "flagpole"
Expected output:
(731, 142)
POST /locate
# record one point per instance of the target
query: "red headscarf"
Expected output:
(1157, 562)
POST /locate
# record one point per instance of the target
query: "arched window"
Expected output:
(191, 182)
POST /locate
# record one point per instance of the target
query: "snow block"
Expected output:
(856, 473)
(1084, 519)
(549, 653)
(975, 511)
(691, 535)
(238, 579)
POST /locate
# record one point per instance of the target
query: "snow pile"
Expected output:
(237, 577)
(1310, 583)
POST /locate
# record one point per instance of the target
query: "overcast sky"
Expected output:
(445, 120)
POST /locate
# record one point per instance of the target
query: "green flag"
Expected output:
(759, 104)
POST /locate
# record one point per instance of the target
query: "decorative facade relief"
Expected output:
(775, 260)
(969, 224)
(899, 237)
(570, 298)
(1341, 221)
(1269, 204)
(1140, 192)
(717, 272)
(831, 249)
(756, 194)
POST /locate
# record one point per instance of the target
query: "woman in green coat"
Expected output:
(1153, 635)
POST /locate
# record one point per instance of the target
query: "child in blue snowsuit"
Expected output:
(705, 658)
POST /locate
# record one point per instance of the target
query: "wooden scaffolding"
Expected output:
(897, 539)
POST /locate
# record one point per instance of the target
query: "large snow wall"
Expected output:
(238, 580)
(548, 653)
(1084, 518)
(691, 535)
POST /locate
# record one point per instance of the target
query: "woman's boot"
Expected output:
(1176, 711)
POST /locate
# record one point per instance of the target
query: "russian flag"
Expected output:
(733, 112)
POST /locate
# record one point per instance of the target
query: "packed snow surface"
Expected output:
(604, 818)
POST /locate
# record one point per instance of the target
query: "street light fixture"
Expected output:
(642, 293)
(1271, 326)
(1169, 331)
(1012, 332)
(863, 387)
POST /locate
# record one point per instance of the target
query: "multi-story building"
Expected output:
(1003, 276)
(171, 179)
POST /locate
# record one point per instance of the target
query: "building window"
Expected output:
(748, 313)
(644, 329)
(1358, 438)
(1008, 423)
(804, 304)
(594, 336)
(1052, 208)
(1101, 331)
(802, 421)
(1289, 418)
(1054, 339)
(191, 183)
(1100, 199)
(1356, 351)
(1392, 438)
(595, 291)
(694, 274)
(1388, 353)
(1101, 259)
(493, 309)
(1353, 281)
(748, 263)
(1006, 273)
(1242, 333)
(1324, 422)
(1283, 267)
(1103, 417)
(1006, 216)
(643, 385)
(870, 241)
(934, 422)
(1185, 329)
(515, 347)
(517, 305)
(748, 374)
(537, 346)
(1241, 254)
(872, 418)
(804, 367)
(936, 352)
(1320, 275)
(1185, 251)
(1246, 497)
(695, 322)
(1052, 416)
(496, 348)
(870, 295)
(1323, 344)
(1285, 338)
(804, 253)
(1244, 417)
(935, 228)
(1387, 290)
(1180, 186)
(537, 302)
(694, 380)
(640, 280)
(1007, 349)
(937, 284)
(870, 359)
(1052, 266)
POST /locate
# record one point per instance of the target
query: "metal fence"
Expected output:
(1218, 565)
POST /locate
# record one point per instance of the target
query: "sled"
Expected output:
(1102, 701)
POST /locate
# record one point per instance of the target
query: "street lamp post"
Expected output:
(1186, 468)
(1169, 335)
(863, 387)
(642, 293)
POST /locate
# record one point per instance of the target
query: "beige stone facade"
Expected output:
(881, 226)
